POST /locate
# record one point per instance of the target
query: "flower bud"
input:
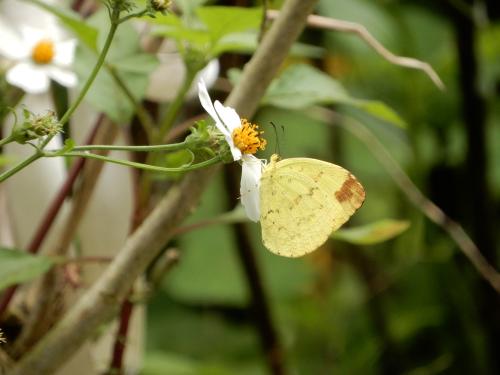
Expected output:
(36, 126)
(160, 5)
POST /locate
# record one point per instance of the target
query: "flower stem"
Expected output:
(6, 140)
(147, 148)
(143, 166)
(23, 164)
(100, 61)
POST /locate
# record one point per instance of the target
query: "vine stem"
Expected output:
(6, 140)
(146, 148)
(10, 172)
(133, 164)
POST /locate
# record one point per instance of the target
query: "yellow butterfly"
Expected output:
(302, 201)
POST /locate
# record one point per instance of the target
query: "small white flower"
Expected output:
(35, 57)
(244, 140)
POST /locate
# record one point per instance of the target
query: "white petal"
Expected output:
(235, 151)
(32, 35)
(11, 46)
(250, 186)
(206, 103)
(20, 12)
(228, 116)
(65, 77)
(30, 78)
(65, 52)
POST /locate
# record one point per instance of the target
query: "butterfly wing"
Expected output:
(303, 201)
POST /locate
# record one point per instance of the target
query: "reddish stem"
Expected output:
(121, 338)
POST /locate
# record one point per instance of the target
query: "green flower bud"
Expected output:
(36, 126)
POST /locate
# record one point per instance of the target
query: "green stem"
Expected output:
(23, 164)
(5, 175)
(133, 164)
(153, 148)
(100, 61)
(6, 140)
(175, 106)
(133, 15)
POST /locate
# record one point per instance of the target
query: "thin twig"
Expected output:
(419, 200)
(100, 303)
(327, 23)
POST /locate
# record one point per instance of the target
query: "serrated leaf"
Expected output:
(125, 41)
(83, 31)
(17, 266)
(372, 234)
(301, 86)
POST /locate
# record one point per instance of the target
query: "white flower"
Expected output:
(243, 140)
(36, 56)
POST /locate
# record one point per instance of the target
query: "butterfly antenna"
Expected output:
(277, 143)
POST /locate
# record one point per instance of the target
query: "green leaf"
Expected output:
(302, 86)
(189, 6)
(137, 63)
(246, 42)
(221, 20)
(84, 32)
(380, 110)
(17, 266)
(372, 234)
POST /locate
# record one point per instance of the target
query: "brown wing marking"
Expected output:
(351, 191)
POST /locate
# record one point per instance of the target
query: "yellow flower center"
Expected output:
(247, 138)
(43, 52)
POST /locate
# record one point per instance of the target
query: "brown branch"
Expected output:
(100, 303)
(333, 24)
(419, 200)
